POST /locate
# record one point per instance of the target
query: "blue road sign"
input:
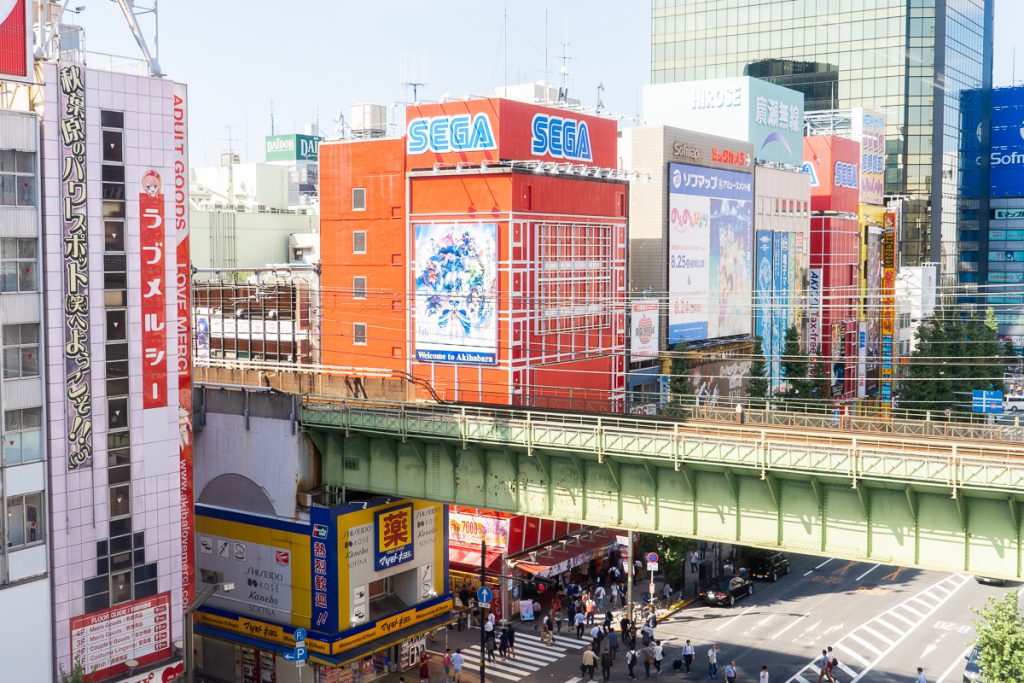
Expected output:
(300, 634)
(987, 401)
(299, 654)
(483, 595)
(652, 557)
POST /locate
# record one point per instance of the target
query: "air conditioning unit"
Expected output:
(304, 499)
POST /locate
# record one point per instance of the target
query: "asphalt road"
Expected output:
(882, 621)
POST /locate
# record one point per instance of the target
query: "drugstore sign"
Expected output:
(393, 534)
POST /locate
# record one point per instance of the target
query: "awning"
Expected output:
(467, 560)
(384, 642)
(564, 558)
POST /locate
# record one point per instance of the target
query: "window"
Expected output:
(359, 242)
(22, 436)
(113, 145)
(18, 257)
(25, 520)
(116, 328)
(21, 350)
(359, 288)
(120, 587)
(117, 413)
(359, 199)
(17, 178)
(119, 501)
(359, 333)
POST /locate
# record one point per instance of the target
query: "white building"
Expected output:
(916, 298)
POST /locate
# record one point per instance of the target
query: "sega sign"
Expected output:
(845, 175)
(458, 133)
(559, 137)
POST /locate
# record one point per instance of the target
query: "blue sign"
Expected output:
(1007, 155)
(987, 401)
(560, 137)
(483, 595)
(780, 300)
(300, 634)
(845, 175)
(763, 280)
(652, 557)
(808, 168)
(459, 133)
(776, 123)
(298, 654)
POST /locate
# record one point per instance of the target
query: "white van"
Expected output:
(1012, 404)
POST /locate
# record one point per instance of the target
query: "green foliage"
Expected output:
(76, 675)
(672, 554)
(954, 357)
(795, 366)
(679, 385)
(1000, 640)
(757, 386)
(819, 385)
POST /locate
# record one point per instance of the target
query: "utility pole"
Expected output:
(483, 584)
(630, 568)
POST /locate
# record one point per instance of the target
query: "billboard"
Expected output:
(141, 630)
(471, 530)
(835, 162)
(873, 309)
(494, 129)
(292, 148)
(814, 321)
(153, 274)
(1007, 154)
(768, 116)
(456, 293)
(714, 380)
(888, 301)
(711, 244)
(780, 296)
(763, 280)
(392, 533)
(644, 338)
(16, 40)
(869, 131)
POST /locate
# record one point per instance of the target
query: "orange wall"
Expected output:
(379, 166)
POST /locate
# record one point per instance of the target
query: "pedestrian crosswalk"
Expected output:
(861, 649)
(531, 656)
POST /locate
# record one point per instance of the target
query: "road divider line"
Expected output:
(798, 620)
(824, 563)
(958, 660)
(729, 621)
(868, 572)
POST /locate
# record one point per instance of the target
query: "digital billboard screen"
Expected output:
(710, 259)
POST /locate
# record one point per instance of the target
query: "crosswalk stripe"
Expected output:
(876, 634)
(902, 618)
(536, 651)
(505, 666)
(911, 610)
(799, 679)
(850, 672)
(575, 679)
(536, 644)
(570, 642)
(869, 646)
(852, 653)
(889, 626)
(527, 656)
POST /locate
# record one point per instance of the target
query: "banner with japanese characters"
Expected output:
(75, 239)
(153, 274)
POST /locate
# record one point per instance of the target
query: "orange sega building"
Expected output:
(484, 253)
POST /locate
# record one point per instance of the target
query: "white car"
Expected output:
(1012, 404)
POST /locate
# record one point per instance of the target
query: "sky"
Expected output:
(240, 58)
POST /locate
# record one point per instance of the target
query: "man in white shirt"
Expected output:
(920, 676)
(599, 598)
(730, 672)
(688, 653)
(764, 674)
(713, 662)
(694, 559)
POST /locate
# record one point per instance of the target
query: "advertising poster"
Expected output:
(869, 130)
(814, 311)
(471, 530)
(16, 40)
(711, 244)
(873, 310)
(720, 379)
(644, 330)
(153, 274)
(780, 288)
(888, 315)
(457, 293)
(103, 641)
(763, 321)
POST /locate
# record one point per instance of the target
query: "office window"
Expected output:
(116, 326)
(21, 350)
(18, 261)
(120, 501)
(120, 587)
(24, 520)
(359, 288)
(17, 178)
(359, 242)
(117, 413)
(359, 199)
(113, 146)
(359, 333)
(22, 436)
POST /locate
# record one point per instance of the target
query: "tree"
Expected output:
(794, 365)
(76, 675)
(1000, 639)
(672, 552)
(757, 385)
(819, 385)
(679, 384)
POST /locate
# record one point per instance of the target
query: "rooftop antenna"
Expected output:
(132, 10)
(271, 117)
(563, 71)
(231, 140)
(504, 41)
(416, 78)
(600, 104)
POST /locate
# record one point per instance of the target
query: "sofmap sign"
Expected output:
(1007, 155)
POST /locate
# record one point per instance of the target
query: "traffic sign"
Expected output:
(652, 557)
(300, 634)
(299, 654)
(652, 566)
(987, 401)
(483, 596)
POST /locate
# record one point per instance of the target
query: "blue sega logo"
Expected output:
(560, 137)
(845, 175)
(458, 133)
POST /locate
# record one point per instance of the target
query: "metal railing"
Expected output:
(105, 62)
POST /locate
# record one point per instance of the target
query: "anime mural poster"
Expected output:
(457, 293)
(731, 267)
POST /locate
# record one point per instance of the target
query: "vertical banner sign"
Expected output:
(154, 292)
(763, 283)
(888, 305)
(183, 314)
(75, 223)
(814, 311)
(780, 296)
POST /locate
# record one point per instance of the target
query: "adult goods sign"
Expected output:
(154, 292)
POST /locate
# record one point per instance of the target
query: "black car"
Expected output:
(768, 566)
(726, 590)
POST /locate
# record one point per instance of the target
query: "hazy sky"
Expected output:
(310, 56)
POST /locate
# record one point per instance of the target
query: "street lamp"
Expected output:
(186, 622)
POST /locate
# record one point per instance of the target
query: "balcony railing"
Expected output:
(103, 62)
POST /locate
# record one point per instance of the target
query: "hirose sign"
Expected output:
(495, 129)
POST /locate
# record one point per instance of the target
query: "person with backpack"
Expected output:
(606, 664)
(631, 662)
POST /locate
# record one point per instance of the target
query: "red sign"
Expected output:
(836, 165)
(183, 313)
(495, 129)
(154, 292)
(140, 630)
(16, 41)
(281, 556)
(733, 157)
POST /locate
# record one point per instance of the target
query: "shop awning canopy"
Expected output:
(572, 554)
(466, 560)
(383, 642)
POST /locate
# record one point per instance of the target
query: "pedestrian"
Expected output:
(646, 633)
(424, 668)
(713, 662)
(595, 633)
(731, 672)
(490, 649)
(570, 611)
(648, 657)
(613, 642)
(614, 594)
(447, 664)
(694, 559)
(764, 674)
(503, 643)
(599, 597)
(464, 595)
(587, 663)
(559, 617)
(536, 613)
(658, 653)
(624, 625)
(579, 625)
(589, 606)
(457, 660)
(549, 625)
(606, 665)
(545, 636)
(688, 653)
(511, 640)
(825, 664)
(631, 662)
(489, 627)
(920, 676)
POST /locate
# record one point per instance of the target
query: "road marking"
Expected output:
(868, 572)
(729, 621)
(798, 620)
(866, 644)
(958, 661)
(902, 618)
(799, 679)
(850, 672)
(859, 657)
(574, 680)
(824, 563)
(889, 626)
(875, 633)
